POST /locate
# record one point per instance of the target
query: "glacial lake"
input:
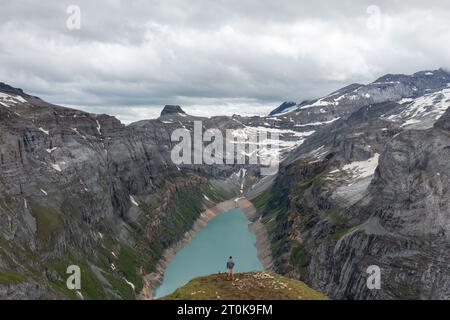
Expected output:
(225, 235)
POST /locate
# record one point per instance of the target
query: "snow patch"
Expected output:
(44, 192)
(426, 109)
(56, 167)
(320, 103)
(363, 169)
(134, 201)
(387, 82)
(8, 100)
(317, 123)
(405, 100)
(20, 99)
(409, 122)
(99, 127)
(44, 131)
(288, 140)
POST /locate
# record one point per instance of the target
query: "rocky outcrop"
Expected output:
(172, 109)
(444, 121)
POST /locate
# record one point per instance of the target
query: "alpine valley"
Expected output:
(364, 179)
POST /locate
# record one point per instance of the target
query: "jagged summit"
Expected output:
(171, 109)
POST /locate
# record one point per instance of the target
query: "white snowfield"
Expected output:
(321, 103)
(360, 169)
(8, 100)
(288, 140)
(351, 190)
(363, 169)
(422, 113)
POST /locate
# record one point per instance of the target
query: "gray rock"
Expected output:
(171, 109)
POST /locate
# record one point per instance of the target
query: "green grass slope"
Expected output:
(259, 285)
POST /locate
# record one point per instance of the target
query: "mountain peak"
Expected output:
(171, 109)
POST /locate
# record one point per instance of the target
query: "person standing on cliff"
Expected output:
(230, 266)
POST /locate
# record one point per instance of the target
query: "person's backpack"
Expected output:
(230, 265)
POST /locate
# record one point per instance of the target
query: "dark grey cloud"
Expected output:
(131, 57)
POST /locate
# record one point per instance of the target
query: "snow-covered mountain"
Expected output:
(423, 89)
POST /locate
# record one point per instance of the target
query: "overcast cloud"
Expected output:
(213, 57)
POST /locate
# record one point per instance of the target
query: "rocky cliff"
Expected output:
(370, 189)
(83, 189)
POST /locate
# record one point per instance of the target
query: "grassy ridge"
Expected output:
(259, 285)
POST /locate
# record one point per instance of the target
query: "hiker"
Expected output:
(230, 266)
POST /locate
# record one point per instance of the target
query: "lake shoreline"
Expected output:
(263, 245)
(152, 280)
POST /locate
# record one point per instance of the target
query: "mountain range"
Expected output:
(363, 180)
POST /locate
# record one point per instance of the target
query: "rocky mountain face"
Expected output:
(83, 189)
(372, 188)
(363, 181)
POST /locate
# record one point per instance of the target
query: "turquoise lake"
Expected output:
(225, 235)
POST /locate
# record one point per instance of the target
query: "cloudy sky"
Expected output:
(129, 58)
